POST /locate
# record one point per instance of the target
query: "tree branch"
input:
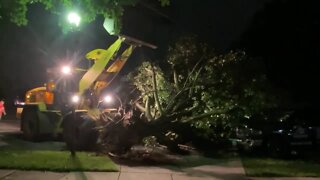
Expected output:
(147, 108)
(204, 115)
(156, 96)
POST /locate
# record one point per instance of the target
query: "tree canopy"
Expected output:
(285, 34)
(16, 10)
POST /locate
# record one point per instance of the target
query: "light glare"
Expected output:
(107, 99)
(74, 18)
(66, 70)
(75, 99)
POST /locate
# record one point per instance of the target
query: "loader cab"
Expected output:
(39, 95)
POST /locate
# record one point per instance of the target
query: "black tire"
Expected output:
(29, 126)
(79, 131)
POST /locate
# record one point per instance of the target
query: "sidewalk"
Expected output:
(283, 178)
(229, 171)
(144, 173)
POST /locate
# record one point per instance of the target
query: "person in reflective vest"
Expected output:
(2, 109)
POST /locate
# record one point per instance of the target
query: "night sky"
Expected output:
(27, 51)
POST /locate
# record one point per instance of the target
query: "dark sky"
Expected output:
(27, 51)
(285, 34)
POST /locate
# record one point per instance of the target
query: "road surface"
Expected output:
(9, 126)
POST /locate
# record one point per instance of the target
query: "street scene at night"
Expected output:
(159, 89)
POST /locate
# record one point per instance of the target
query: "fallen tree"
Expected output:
(197, 97)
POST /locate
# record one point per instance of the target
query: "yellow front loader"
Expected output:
(40, 117)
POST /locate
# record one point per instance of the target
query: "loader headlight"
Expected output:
(66, 70)
(75, 99)
(107, 99)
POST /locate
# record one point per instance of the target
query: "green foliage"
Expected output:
(144, 83)
(164, 2)
(150, 141)
(207, 90)
(16, 10)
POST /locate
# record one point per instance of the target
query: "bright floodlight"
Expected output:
(74, 18)
(75, 99)
(66, 70)
(108, 99)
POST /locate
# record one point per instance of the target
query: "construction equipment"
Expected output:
(42, 118)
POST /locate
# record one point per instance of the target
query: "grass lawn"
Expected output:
(267, 167)
(200, 160)
(48, 156)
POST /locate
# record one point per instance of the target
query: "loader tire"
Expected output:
(29, 126)
(79, 132)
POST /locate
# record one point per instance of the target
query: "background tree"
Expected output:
(285, 36)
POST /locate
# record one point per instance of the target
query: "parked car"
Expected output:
(280, 133)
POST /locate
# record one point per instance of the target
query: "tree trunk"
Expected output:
(155, 89)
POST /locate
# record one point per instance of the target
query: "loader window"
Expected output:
(36, 96)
